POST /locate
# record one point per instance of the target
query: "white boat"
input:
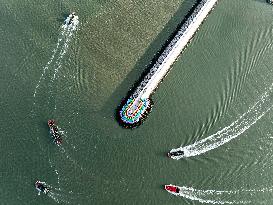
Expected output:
(175, 153)
(72, 20)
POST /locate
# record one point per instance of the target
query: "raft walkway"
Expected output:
(139, 103)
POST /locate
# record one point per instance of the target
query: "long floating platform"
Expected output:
(135, 107)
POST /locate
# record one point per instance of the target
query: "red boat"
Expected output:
(172, 189)
(54, 132)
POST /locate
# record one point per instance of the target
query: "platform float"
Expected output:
(133, 110)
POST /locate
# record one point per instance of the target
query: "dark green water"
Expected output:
(224, 71)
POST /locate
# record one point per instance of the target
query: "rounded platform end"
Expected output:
(133, 112)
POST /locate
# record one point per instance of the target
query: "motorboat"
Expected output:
(172, 189)
(55, 133)
(72, 19)
(53, 127)
(41, 187)
(175, 153)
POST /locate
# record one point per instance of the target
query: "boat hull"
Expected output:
(172, 189)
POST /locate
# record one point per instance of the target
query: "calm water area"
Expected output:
(220, 86)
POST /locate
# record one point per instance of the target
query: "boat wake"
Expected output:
(230, 132)
(59, 194)
(69, 158)
(221, 197)
(58, 197)
(62, 197)
(55, 62)
(66, 150)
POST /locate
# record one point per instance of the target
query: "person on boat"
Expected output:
(55, 135)
(72, 16)
(41, 187)
(57, 138)
(55, 129)
(58, 141)
(177, 190)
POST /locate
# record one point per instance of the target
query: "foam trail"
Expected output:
(59, 198)
(67, 140)
(47, 65)
(216, 197)
(230, 132)
(56, 172)
(58, 52)
(68, 36)
(56, 193)
(63, 150)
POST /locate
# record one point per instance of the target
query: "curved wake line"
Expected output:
(63, 52)
(58, 54)
(47, 66)
(230, 132)
(59, 198)
(216, 197)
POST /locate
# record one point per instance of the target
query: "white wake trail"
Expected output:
(220, 197)
(67, 36)
(58, 197)
(59, 52)
(47, 65)
(230, 132)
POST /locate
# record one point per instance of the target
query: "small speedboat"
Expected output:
(175, 153)
(72, 19)
(54, 132)
(41, 187)
(172, 189)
